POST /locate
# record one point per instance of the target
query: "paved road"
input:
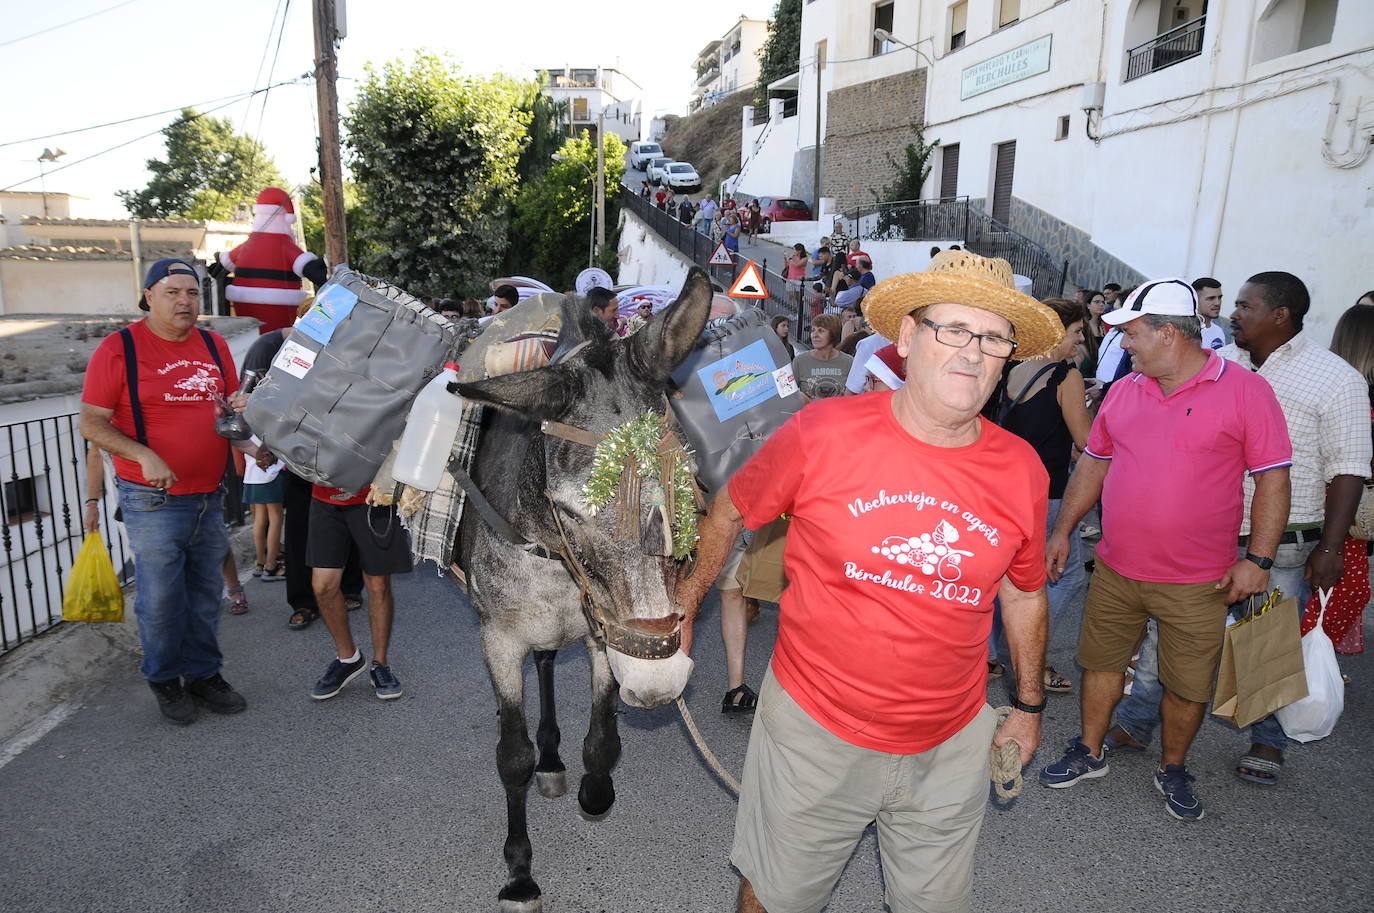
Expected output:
(355, 805)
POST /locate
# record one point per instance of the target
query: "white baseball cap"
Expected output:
(1164, 297)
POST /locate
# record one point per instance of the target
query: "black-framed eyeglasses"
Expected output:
(957, 337)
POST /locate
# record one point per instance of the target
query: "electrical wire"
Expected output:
(62, 25)
(144, 136)
(238, 96)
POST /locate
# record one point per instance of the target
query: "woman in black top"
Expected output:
(1044, 403)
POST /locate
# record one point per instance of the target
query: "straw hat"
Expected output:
(961, 277)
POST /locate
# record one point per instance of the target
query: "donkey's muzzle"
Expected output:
(645, 638)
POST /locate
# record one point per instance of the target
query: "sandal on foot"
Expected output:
(239, 602)
(353, 603)
(1254, 769)
(1056, 682)
(996, 669)
(301, 619)
(739, 700)
(258, 568)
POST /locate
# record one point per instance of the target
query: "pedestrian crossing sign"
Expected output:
(720, 256)
(749, 284)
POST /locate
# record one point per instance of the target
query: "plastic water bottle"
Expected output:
(430, 431)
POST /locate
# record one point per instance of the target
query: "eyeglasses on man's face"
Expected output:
(957, 337)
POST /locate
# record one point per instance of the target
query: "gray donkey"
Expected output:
(544, 572)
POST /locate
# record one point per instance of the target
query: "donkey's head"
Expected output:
(623, 547)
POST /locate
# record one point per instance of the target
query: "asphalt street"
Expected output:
(358, 805)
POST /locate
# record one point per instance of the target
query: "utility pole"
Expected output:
(331, 164)
(600, 181)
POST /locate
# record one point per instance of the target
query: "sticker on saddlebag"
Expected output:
(329, 310)
(785, 381)
(295, 359)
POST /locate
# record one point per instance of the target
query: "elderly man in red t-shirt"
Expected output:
(910, 514)
(149, 399)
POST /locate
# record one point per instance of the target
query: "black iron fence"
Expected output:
(961, 221)
(44, 491)
(1165, 50)
(698, 248)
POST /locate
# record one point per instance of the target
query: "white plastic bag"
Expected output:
(1315, 716)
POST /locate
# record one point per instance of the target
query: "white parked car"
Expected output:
(682, 176)
(643, 153)
(657, 170)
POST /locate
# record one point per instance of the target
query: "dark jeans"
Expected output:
(179, 545)
(296, 502)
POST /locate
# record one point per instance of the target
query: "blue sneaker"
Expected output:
(1176, 785)
(336, 676)
(386, 684)
(1077, 764)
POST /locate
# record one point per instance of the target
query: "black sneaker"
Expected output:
(175, 704)
(336, 676)
(387, 685)
(217, 694)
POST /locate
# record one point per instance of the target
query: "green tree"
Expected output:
(310, 197)
(912, 170)
(553, 213)
(781, 52)
(209, 170)
(435, 155)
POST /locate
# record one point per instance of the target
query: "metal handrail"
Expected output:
(1163, 37)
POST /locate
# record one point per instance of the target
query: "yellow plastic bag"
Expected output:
(93, 592)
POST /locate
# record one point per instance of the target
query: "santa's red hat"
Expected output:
(273, 200)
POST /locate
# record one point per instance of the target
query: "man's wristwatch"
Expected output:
(1264, 563)
(1021, 705)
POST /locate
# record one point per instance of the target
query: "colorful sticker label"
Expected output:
(329, 310)
(295, 359)
(785, 381)
(740, 381)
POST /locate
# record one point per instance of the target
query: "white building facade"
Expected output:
(592, 92)
(728, 64)
(1133, 138)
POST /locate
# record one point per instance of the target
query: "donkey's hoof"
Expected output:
(552, 784)
(595, 799)
(521, 895)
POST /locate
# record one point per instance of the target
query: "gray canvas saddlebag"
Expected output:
(735, 389)
(338, 392)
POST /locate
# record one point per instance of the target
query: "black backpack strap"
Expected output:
(214, 353)
(1009, 404)
(131, 380)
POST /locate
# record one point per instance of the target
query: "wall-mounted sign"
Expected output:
(1004, 69)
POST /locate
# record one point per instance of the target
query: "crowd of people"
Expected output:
(1220, 458)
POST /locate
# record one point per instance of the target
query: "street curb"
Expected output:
(64, 665)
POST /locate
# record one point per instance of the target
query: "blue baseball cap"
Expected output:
(161, 269)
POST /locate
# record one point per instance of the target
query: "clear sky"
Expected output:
(142, 56)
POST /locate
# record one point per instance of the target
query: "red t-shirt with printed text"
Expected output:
(894, 555)
(176, 383)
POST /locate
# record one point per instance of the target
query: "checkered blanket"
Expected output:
(433, 526)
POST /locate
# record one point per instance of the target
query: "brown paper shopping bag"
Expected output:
(760, 573)
(1261, 663)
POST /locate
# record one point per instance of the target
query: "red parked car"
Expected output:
(783, 209)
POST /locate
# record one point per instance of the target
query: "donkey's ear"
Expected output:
(667, 339)
(547, 393)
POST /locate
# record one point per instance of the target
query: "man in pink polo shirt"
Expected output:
(1168, 453)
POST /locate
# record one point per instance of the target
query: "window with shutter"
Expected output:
(949, 172)
(1001, 181)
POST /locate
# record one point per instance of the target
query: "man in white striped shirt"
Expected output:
(1326, 404)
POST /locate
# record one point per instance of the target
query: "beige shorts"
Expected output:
(807, 797)
(726, 580)
(1191, 619)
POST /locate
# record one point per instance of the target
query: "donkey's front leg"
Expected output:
(601, 749)
(515, 762)
(549, 773)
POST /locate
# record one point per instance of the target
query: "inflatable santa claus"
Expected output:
(267, 268)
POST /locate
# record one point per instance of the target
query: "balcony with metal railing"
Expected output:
(1165, 50)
